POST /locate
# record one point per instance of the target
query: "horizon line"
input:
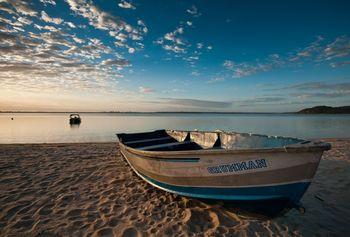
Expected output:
(145, 112)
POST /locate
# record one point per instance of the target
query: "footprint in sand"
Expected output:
(130, 232)
(23, 224)
(75, 214)
(103, 232)
(201, 220)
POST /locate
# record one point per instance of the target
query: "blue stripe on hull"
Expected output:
(293, 192)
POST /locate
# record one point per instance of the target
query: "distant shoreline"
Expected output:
(307, 111)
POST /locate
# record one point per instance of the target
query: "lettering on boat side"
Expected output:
(239, 166)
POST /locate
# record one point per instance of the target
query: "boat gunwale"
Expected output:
(302, 146)
(324, 146)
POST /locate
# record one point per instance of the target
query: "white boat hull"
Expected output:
(241, 174)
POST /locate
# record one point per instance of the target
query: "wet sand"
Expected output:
(88, 190)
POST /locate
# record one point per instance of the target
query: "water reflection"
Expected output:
(74, 126)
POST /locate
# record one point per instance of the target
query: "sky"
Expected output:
(116, 55)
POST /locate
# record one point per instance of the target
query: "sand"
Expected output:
(88, 190)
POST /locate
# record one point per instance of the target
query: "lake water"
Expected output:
(101, 127)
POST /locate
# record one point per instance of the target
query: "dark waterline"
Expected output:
(101, 127)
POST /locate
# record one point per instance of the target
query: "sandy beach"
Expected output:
(86, 189)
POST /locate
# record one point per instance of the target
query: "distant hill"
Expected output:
(325, 110)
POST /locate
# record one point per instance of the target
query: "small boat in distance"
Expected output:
(74, 119)
(224, 165)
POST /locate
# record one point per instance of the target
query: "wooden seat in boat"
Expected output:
(178, 146)
(148, 140)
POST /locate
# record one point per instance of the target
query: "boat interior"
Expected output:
(171, 140)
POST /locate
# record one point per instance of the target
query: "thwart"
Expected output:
(224, 165)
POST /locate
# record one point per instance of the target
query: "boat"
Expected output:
(74, 119)
(224, 165)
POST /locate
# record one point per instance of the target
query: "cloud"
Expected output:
(115, 25)
(318, 85)
(97, 18)
(193, 11)
(174, 37)
(216, 79)
(49, 19)
(313, 49)
(53, 60)
(131, 50)
(7, 37)
(127, 5)
(212, 105)
(22, 7)
(195, 73)
(334, 54)
(173, 41)
(46, 27)
(317, 90)
(24, 20)
(141, 23)
(145, 90)
(197, 103)
(45, 2)
(199, 45)
(228, 64)
(174, 48)
(11, 49)
(340, 47)
(177, 46)
(17, 67)
(50, 28)
(70, 24)
(265, 99)
(325, 95)
(116, 62)
(260, 100)
(245, 69)
(321, 51)
(78, 40)
(339, 64)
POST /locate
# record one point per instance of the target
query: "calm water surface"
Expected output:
(101, 127)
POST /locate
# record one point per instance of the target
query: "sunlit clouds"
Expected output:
(48, 19)
(39, 52)
(331, 53)
(183, 56)
(125, 4)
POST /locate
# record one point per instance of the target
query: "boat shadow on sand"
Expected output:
(256, 210)
(266, 209)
